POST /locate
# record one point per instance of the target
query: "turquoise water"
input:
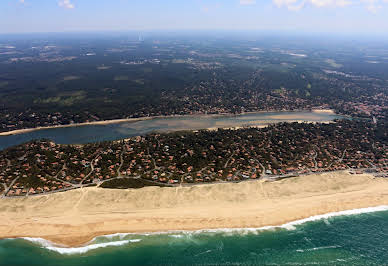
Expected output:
(97, 133)
(345, 240)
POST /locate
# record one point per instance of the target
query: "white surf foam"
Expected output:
(317, 248)
(174, 233)
(288, 226)
(76, 250)
(87, 248)
(176, 236)
(336, 214)
(40, 241)
(112, 236)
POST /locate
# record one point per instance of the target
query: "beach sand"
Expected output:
(104, 122)
(328, 111)
(73, 218)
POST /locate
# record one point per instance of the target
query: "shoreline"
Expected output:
(264, 125)
(288, 226)
(96, 212)
(124, 120)
(104, 122)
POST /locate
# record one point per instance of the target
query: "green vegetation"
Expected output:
(279, 150)
(124, 183)
(61, 85)
(64, 99)
(332, 63)
(102, 78)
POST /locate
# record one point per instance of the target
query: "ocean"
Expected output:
(357, 237)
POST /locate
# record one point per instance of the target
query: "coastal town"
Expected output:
(195, 157)
(137, 79)
(193, 132)
(206, 98)
(160, 82)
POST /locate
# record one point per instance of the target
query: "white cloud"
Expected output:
(298, 4)
(247, 2)
(210, 8)
(66, 4)
(21, 1)
(371, 5)
(290, 4)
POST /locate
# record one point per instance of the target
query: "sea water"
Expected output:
(357, 237)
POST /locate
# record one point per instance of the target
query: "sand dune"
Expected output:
(74, 217)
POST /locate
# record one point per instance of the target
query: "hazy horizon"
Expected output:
(285, 16)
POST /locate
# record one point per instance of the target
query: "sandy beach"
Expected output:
(105, 122)
(73, 218)
(328, 111)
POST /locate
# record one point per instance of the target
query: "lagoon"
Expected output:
(96, 133)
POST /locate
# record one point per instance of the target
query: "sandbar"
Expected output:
(200, 115)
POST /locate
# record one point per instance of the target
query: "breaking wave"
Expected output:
(77, 250)
(118, 239)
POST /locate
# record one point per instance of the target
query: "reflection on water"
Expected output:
(96, 133)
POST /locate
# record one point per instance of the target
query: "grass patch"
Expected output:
(3, 84)
(103, 67)
(124, 183)
(69, 78)
(63, 99)
(139, 81)
(332, 63)
(121, 78)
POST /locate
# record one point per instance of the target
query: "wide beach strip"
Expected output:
(75, 217)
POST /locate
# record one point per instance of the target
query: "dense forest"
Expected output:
(70, 79)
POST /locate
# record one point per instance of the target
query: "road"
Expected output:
(60, 180)
(263, 175)
(227, 161)
(91, 169)
(121, 162)
(10, 186)
(5, 189)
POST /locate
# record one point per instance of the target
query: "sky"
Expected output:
(337, 16)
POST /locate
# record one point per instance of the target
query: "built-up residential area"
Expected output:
(193, 157)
